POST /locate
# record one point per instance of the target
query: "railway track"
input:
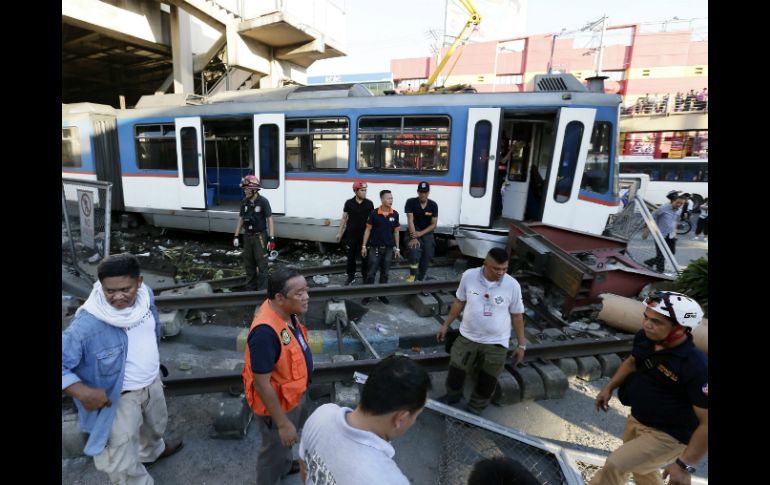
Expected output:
(221, 300)
(326, 373)
(236, 281)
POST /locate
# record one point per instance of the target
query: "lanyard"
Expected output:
(298, 335)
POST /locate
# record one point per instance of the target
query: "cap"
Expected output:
(423, 187)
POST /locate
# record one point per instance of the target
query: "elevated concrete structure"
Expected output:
(114, 52)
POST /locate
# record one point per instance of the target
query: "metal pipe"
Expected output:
(363, 340)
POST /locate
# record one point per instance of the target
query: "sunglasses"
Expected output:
(662, 300)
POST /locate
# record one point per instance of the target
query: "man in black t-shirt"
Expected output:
(256, 218)
(422, 217)
(665, 381)
(352, 227)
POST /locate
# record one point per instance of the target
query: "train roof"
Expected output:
(547, 92)
(350, 90)
(69, 110)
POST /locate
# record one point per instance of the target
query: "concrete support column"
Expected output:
(181, 50)
(276, 76)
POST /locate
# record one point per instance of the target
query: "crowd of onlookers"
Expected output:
(682, 102)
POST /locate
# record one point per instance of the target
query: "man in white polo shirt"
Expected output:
(352, 447)
(492, 302)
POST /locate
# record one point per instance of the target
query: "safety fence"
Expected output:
(86, 219)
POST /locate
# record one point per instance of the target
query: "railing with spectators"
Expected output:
(667, 105)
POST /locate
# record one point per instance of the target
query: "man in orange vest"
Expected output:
(276, 372)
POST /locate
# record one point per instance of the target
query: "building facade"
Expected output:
(638, 59)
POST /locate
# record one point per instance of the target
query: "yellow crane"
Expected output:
(474, 20)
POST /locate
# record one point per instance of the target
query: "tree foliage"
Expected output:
(694, 281)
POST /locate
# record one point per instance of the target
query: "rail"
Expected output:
(220, 300)
(326, 373)
(308, 271)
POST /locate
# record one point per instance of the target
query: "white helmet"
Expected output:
(680, 308)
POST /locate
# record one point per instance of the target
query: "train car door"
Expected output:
(189, 156)
(480, 166)
(270, 159)
(516, 183)
(573, 136)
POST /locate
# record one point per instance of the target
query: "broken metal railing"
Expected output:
(656, 234)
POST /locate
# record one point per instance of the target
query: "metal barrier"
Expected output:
(86, 221)
(635, 224)
(471, 438)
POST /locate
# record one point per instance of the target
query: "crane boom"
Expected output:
(474, 20)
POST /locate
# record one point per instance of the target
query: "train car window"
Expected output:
(317, 144)
(410, 144)
(596, 176)
(380, 124)
(482, 141)
(228, 151)
(155, 147)
(188, 137)
(70, 147)
(269, 156)
(573, 136)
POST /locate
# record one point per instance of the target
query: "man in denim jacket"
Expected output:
(110, 367)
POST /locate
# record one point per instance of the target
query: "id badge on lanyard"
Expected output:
(300, 337)
(301, 340)
(487, 306)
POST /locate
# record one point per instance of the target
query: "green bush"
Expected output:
(694, 281)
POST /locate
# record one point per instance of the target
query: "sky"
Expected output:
(380, 31)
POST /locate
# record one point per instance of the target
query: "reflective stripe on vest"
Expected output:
(289, 377)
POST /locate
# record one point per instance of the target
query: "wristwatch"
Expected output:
(684, 466)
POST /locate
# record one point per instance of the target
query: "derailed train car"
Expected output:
(546, 155)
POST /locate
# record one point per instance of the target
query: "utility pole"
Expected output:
(553, 46)
(601, 47)
(494, 74)
(437, 44)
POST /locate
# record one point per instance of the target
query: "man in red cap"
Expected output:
(352, 227)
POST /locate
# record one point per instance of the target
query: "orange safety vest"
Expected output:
(289, 378)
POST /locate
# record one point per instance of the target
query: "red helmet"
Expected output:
(250, 182)
(359, 185)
